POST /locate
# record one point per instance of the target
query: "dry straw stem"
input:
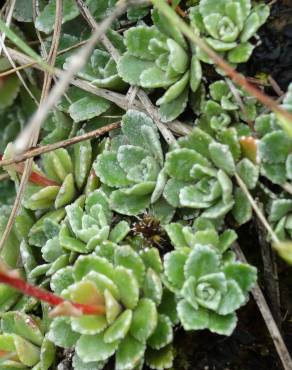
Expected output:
(257, 210)
(61, 144)
(120, 100)
(151, 110)
(77, 62)
(33, 138)
(268, 318)
(235, 76)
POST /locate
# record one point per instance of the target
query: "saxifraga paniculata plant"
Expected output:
(210, 285)
(205, 180)
(75, 236)
(130, 167)
(227, 27)
(24, 343)
(140, 312)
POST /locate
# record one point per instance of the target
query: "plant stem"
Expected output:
(45, 296)
(61, 144)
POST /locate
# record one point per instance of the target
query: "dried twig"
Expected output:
(271, 277)
(14, 70)
(269, 320)
(61, 144)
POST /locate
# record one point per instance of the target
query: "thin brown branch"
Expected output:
(61, 144)
(269, 320)
(14, 70)
(271, 278)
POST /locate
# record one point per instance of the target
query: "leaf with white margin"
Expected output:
(144, 320)
(107, 168)
(119, 328)
(248, 172)
(190, 318)
(174, 264)
(232, 299)
(61, 334)
(125, 256)
(163, 334)
(129, 353)
(223, 325)
(93, 348)
(245, 275)
(222, 157)
(160, 359)
(128, 287)
(152, 287)
(88, 324)
(86, 264)
(201, 261)
(183, 159)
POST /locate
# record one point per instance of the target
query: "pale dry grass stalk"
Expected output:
(33, 139)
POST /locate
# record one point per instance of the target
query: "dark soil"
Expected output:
(274, 55)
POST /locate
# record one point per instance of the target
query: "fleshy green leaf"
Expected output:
(144, 320)
(93, 348)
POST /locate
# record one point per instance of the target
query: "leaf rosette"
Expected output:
(88, 225)
(23, 344)
(227, 27)
(139, 313)
(67, 175)
(131, 165)
(208, 287)
(223, 109)
(280, 215)
(275, 145)
(156, 58)
(204, 179)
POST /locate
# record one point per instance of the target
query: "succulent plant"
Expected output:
(275, 145)
(204, 181)
(209, 287)
(280, 215)
(67, 174)
(101, 70)
(89, 226)
(223, 109)
(23, 344)
(155, 59)
(227, 27)
(136, 325)
(9, 86)
(131, 166)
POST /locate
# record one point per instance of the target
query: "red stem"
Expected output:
(46, 296)
(34, 177)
